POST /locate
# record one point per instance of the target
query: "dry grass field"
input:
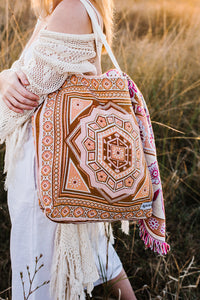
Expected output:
(157, 42)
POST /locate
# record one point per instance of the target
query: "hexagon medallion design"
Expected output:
(110, 152)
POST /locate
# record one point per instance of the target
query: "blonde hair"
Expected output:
(44, 8)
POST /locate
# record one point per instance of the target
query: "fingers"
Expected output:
(15, 105)
(22, 76)
(16, 96)
(12, 107)
(21, 79)
(21, 99)
(24, 92)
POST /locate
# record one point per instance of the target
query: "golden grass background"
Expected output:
(157, 42)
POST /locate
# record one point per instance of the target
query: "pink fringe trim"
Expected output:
(154, 244)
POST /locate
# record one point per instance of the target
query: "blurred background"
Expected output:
(157, 43)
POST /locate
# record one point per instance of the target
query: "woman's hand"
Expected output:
(13, 92)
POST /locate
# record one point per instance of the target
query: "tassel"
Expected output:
(73, 266)
(112, 239)
(125, 227)
(109, 232)
(93, 231)
(160, 247)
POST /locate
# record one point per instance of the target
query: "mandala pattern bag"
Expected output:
(90, 160)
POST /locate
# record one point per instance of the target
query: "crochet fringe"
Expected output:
(73, 265)
(109, 232)
(125, 227)
(160, 247)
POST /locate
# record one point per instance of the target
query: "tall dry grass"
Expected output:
(158, 44)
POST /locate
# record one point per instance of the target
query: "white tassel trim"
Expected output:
(125, 227)
(73, 267)
(109, 232)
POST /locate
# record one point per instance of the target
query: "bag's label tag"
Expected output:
(146, 205)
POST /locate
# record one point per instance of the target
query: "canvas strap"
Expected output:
(99, 33)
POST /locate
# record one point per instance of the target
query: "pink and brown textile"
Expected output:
(96, 156)
(90, 160)
(153, 229)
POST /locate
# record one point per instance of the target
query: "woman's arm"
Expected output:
(70, 17)
(13, 80)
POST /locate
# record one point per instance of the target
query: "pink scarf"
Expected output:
(152, 230)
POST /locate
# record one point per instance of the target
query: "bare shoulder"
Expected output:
(70, 16)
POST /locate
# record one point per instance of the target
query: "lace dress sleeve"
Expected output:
(54, 56)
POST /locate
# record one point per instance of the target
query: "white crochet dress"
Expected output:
(33, 234)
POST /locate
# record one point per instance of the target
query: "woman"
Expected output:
(66, 31)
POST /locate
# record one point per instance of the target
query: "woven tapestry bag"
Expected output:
(89, 155)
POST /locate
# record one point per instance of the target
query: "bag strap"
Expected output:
(98, 32)
(98, 15)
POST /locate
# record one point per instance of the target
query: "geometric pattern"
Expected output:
(77, 106)
(111, 152)
(75, 181)
(90, 161)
